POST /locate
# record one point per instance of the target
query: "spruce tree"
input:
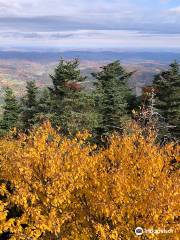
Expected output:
(167, 86)
(44, 105)
(71, 106)
(30, 106)
(65, 76)
(112, 96)
(11, 111)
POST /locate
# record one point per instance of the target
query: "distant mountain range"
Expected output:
(163, 57)
(18, 67)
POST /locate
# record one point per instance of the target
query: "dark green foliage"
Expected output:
(134, 103)
(78, 113)
(112, 97)
(11, 112)
(71, 107)
(29, 106)
(44, 105)
(65, 77)
(105, 110)
(167, 87)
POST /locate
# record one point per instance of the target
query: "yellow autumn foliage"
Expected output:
(68, 189)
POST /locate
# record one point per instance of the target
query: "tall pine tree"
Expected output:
(11, 112)
(167, 86)
(112, 97)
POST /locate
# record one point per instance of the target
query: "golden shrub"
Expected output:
(67, 189)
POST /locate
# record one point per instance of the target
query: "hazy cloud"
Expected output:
(91, 39)
(56, 20)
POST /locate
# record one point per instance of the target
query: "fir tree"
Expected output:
(71, 106)
(11, 111)
(112, 96)
(30, 106)
(44, 111)
(167, 86)
(65, 78)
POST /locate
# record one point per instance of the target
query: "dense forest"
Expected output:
(79, 164)
(101, 111)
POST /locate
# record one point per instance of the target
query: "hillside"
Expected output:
(38, 56)
(16, 68)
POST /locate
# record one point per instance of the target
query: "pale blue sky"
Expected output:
(90, 23)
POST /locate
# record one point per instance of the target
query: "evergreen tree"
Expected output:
(44, 105)
(30, 106)
(167, 86)
(71, 106)
(65, 78)
(11, 111)
(112, 97)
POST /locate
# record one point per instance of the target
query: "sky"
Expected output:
(90, 24)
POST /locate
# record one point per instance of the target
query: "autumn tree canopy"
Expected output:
(68, 189)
